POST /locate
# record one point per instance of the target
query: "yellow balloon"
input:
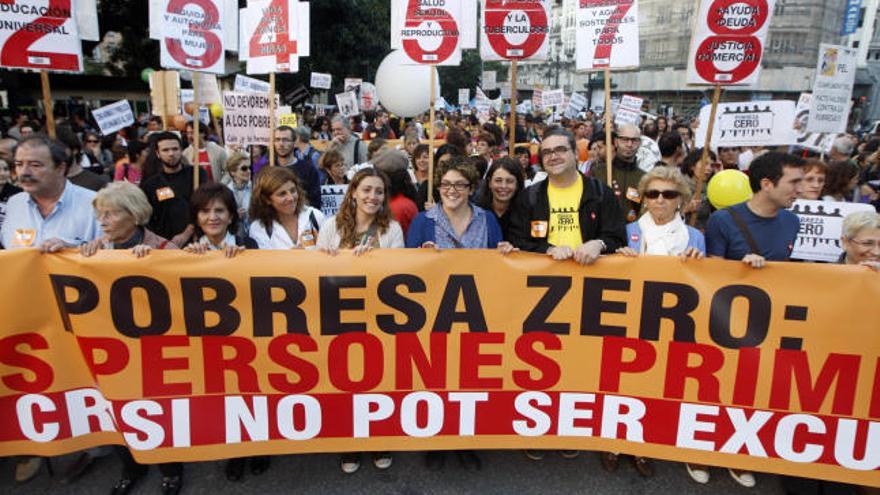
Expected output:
(216, 110)
(727, 188)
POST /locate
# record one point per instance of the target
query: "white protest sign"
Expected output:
(430, 33)
(31, 40)
(821, 227)
(111, 118)
(209, 91)
(246, 118)
(820, 142)
(464, 96)
(230, 21)
(192, 38)
(575, 105)
(369, 97)
(607, 34)
(524, 107)
(86, 13)
(245, 84)
(440, 103)
(331, 198)
(352, 84)
(505, 90)
(832, 89)
(538, 99)
(348, 104)
(628, 111)
(488, 81)
(728, 42)
(482, 105)
(515, 30)
(275, 33)
(321, 81)
(552, 98)
(757, 123)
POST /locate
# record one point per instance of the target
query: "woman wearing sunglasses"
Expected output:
(239, 168)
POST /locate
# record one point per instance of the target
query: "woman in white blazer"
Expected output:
(282, 219)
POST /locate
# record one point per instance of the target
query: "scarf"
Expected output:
(229, 240)
(670, 239)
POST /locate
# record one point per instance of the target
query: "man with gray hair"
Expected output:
(353, 150)
(841, 149)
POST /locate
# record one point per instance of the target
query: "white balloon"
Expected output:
(404, 89)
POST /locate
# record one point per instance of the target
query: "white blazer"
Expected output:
(307, 235)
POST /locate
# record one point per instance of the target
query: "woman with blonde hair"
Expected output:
(861, 239)
(280, 217)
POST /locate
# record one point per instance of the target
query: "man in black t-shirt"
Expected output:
(169, 191)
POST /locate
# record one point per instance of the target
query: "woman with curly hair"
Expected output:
(280, 217)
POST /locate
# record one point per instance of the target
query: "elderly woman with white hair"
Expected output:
(122, 211)
(661, 229)
(861, 240)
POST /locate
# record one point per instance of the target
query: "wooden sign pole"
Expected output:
(701, 165)
(608, 124)
(271, 118)
(512, 139)
(47, 104)
(431, 137)
(195, 144)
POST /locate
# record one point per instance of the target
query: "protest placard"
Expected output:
(331, 198)
(320, 80)
(368, 97)
(607, 34)
(728, 42)
(231, 23)
(111, 118)
(431, 34)
(348, 104)
(274, 35)
(575, 104)
(352, 84)
(34, 36)
(757, 123)
(488, 80)
(628, 110)
(538, 99)
(165, 92)
(515, 30)
(505, 90)
(832, 89)
(86, 13)
(245, 84)
(192, 39)
(815, 141)
(288, 119)
(552, 98)
(209, 90)
(525, 107)
(464, 96)
(821, 227)
(246, 118)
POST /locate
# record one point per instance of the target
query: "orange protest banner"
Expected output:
(275, 352)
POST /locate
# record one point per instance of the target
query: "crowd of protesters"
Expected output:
(134, 190)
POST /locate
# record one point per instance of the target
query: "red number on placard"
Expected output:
(602, 55)
(16, 51)
(275, 19)
(498, 10)
(415, 15)
(737, 38)
(213, 43)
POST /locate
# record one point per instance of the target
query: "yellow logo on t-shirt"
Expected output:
(565, 227)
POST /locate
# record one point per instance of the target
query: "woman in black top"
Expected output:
(504, 182)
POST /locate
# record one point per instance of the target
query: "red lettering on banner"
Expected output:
(11, 356)
(308, 372)
(16, 51)
(338, 362)
(843, 369)
(745, 384)
(548, 368)
(275, 20)
(216, 364)
(409, 354)
(735, 39)
(114, 351)
(472, 359)
(606, 40)
(213, 43)
(496, 11)
(415, 16)
(874, 411)
(154, 365)
(678, 370)
(613, 364)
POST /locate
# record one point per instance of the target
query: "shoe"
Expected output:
(235, 469)
(469, 460)
(126, 484)
(569, 454)
(644, 466)
(435, 461)
(382, 460)
(535, 455)
(744, 478)
(698, 472)
(350, 463)
(171, 485)
(609, 461)
(260, 464)
(27, 468)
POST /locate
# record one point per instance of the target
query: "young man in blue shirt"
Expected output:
(760, 229)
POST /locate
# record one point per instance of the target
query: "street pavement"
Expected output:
(504, 472)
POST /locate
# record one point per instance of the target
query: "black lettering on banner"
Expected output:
(557, 288)
(263, 307)
(593, 306)
(465, 286)
(332, 305)
(86, 296)
(122, 306)
(414, 312)
(195, 306)
(757, 322)
(653, 311)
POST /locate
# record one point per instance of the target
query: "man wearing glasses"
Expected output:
(568, 216)
(625, 171)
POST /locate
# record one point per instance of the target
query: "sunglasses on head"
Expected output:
(668, 194)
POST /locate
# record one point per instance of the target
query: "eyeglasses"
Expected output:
(559, 150)
(458, 186)
(667, 194)
(866, 243)
(244, 168)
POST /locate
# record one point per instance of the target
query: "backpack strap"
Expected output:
(744, 230)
